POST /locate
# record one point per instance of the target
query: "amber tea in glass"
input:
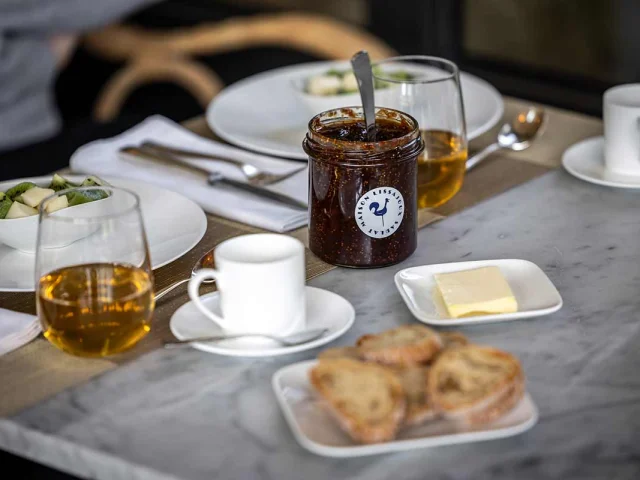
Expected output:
(95, 309)
(95, 295)
(441, 167)
(428, 89)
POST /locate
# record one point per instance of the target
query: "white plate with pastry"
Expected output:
(477, 292)
(268, 113)
(173, 225)
(346, 405)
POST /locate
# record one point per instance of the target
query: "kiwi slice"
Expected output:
(334, 73)
(19, 189)
(78, 198)
(94, 181)
(60, 183)
(5, 205)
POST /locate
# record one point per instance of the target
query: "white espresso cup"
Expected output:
(261, 280)
(621, 114)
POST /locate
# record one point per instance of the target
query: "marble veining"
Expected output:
(184, 414)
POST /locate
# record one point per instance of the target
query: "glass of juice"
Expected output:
(94, 281)
(428, 89)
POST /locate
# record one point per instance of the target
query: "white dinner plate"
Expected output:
(535, 293)
(318, 432)
(585, 160)
(324, 310)
(173, 224)
(263, 112)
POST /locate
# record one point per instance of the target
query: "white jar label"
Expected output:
(380, 211)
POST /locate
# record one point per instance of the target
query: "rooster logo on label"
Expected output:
(380, 211)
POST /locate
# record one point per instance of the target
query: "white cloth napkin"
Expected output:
(16, 330)
(101, 158)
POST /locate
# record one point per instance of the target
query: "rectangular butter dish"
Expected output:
(535, 293)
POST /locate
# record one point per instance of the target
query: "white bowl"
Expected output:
(22, 233)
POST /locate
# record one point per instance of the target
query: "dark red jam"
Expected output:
(356, 130)
(362, 193)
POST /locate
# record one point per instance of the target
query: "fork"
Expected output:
(253, 174)
(213, 178)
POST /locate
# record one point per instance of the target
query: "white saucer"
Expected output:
(534, 292)
(585, 160)
(316, 431)
(324, 310)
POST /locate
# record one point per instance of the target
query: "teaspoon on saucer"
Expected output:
(516, 135)
(287, 341)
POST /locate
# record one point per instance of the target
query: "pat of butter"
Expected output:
(476, 292)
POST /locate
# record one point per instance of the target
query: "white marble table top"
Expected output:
(184, 414)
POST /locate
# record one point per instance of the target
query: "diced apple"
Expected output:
(56, 204)
(35, 195)
(349, 82)
(324, 85)
(19, 210)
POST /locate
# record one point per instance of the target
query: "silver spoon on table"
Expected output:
(287, 341)
(206, 261)
(517, 135)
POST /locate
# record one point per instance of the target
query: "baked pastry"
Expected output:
(340, 352)
(453, 339)
(475, 384)
(402, 346)
(366, 399)
(414, 383)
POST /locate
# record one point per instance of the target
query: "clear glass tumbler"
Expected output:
(93, 274)
(428, 89)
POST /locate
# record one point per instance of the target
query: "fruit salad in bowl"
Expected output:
(20, 201)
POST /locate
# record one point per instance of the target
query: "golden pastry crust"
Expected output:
(414, 383)
(475, 384)
(499, 406)
(367, 400)
(453, 339)
(402, 346)
(340, 352)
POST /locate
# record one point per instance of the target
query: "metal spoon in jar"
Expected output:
(516, 135)
(206, 261)
(362, 70)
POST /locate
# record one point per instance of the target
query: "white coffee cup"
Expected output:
(621, 113)
(261, 280)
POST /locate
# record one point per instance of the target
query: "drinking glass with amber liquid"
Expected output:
(428, 89)
(93, 274)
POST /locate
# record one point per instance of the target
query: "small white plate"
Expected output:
(535, 293)
(173, 224)
(585, 160)
(324, 310)
(318, 432)
(264, 113)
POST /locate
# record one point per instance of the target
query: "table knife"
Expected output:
(213, 178)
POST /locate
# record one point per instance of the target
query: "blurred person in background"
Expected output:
(37, 38)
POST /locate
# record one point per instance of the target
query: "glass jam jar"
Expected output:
(362, 194)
